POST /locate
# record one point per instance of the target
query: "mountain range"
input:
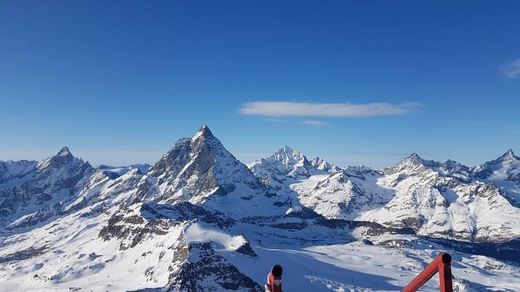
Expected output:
(201, 220)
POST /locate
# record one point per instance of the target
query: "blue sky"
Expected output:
(353, 82)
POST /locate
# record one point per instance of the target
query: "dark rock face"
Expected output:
(156, 219)
(183, 212)
(246, 249)
(132, 229)
(172, 163)
(508, 251)
(35, 218)
(204, 263)
(23, 254)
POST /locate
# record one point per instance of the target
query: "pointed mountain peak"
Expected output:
(412, 162)
(203, 139)
(203, 145)
(204, 132)
(62, 158)
(199, 168)
(65, 151)
(509, 155)
(415, 158)
(503, 168)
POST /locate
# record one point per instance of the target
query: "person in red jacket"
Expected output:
(274, 279)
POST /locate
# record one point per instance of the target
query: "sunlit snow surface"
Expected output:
(78, 259)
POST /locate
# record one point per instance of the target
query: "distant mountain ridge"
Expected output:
(439, 199)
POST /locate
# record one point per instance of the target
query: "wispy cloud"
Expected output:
(307, 109)
(314, 123)
(511, 70)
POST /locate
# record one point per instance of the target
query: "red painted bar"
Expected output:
(442, 265)
(445, 273)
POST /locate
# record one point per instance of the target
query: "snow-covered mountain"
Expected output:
(200, 220)
(437, 199)
(284, 164)
(287, 166)
(443, 200)
(31, 192)
(343, 195)
(196, 169)
(504, 172)
(505, 168)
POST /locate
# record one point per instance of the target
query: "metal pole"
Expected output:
(441, 264)
(445, 273)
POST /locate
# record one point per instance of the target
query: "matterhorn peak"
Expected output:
(197, 168)
(203, 132)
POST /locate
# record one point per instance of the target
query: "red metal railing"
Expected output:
(442, 265)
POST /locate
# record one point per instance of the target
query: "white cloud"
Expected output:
(313, 123)
(511, 70)
(307, 109)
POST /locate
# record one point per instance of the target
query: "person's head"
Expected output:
(277, 271)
